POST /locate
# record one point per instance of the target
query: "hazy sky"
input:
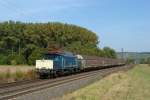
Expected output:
(118, 23)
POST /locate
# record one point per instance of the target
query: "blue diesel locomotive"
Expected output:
(57, 63)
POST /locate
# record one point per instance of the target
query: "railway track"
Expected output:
(10, 91)
(11, 84)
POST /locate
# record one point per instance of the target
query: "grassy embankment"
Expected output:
(131, 85)
(16, 73)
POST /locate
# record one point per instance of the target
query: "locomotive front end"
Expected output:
(44, 67)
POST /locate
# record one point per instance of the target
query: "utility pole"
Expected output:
(122, 53)
(19, 47)
(12, 51)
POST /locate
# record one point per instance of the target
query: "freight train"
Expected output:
(60, 63)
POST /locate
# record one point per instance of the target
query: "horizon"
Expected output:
(119, 24)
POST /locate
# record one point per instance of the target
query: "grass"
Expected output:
(18, 75)
(131, 85)
(10, 73)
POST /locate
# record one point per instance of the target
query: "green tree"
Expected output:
(130, 61)
(35, 55)
(142, 61)
(109, 52)
(148, 60)
(23, 39)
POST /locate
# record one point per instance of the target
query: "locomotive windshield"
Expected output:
(52, 57)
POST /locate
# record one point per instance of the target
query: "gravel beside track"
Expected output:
(48, 89)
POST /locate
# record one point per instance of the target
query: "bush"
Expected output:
(20, 59)
(13, 62)
(31, 74)
(8, 74)
(3, 59)
(36, 54)
(130, 61)
(16, 59)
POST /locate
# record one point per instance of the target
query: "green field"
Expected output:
(131, 85)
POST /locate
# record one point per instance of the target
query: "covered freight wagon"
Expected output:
(95, 62)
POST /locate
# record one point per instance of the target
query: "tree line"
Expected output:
(145, 60)
(23, 43)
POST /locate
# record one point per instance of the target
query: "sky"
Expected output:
(118, 23)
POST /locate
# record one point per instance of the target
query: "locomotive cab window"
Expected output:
(52, 57)
(57, 60)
